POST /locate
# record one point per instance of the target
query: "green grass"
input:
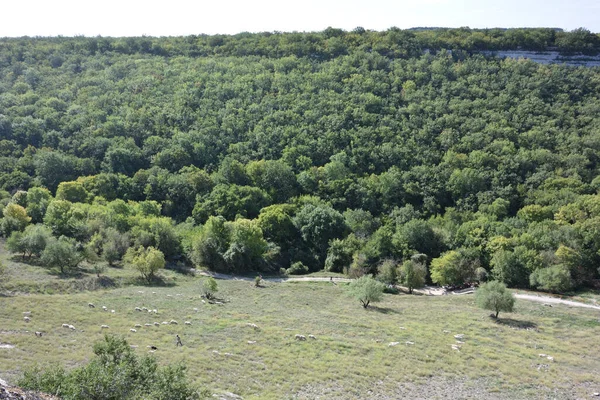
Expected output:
(350, 358)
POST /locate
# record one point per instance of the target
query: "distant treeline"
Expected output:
(328, 44)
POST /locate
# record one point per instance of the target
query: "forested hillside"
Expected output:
(302, 151)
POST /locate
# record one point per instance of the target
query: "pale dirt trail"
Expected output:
(428, 290)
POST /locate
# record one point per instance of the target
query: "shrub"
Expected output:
(297, 268)
(115, 372)
(494, 296)
(556, 278)
(210, 287)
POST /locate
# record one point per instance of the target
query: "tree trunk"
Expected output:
(497, 311)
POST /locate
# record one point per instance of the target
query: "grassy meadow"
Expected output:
(350, 358)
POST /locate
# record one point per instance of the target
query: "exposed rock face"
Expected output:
(15, 393)
(548, 57)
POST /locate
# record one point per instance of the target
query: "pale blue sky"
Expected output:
(179, 17)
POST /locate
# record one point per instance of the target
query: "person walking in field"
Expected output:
(178, 342)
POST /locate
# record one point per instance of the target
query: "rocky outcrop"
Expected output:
(15, 393)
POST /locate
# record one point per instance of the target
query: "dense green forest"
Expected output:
(349, 151)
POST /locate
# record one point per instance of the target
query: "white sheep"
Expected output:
(251, 341)
(147, 324)
(65, 325)
(138, 309)
(27, 319)
(300, 337)
(144, 309)
(38, 334)
(132, 330)
(71, 327)
(393, 344)
(104, 327)
(90, 305)
(137, 326)
(112, 311)
(155, 311)
(28, 313)
(253, 326)
(165, 322)
(187, 323)
(104, 308)
(312, 337)
(173, 322)
(156, 324)
(409, 343)
(195, 309)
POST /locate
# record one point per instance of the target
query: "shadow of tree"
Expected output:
(383, 310)
(515, 323)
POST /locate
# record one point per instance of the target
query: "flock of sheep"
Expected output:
(27, 317)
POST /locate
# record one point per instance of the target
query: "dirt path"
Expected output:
(427, 290)
(554, 300)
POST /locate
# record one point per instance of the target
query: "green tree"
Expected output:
(454, 267)
(146, 261)
(61, 253)
(114, 245)
(495, 297)
(37, 201)
(318, 225)
(387, 272)
(15, 218)
(366, 290)
(30, 242)
(72, 191)
(413, 274)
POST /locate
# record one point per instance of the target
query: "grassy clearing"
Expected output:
(349, 358)
(351, 352)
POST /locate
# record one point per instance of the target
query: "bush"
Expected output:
(494, 296)
(297, 268)
(552, 279)
(209, 288)
(115, 372)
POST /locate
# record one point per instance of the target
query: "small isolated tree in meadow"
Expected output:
(209, 288)
(495, 297)
(146, 261)
(366, 290)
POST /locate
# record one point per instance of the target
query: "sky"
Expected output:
(193, 17)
